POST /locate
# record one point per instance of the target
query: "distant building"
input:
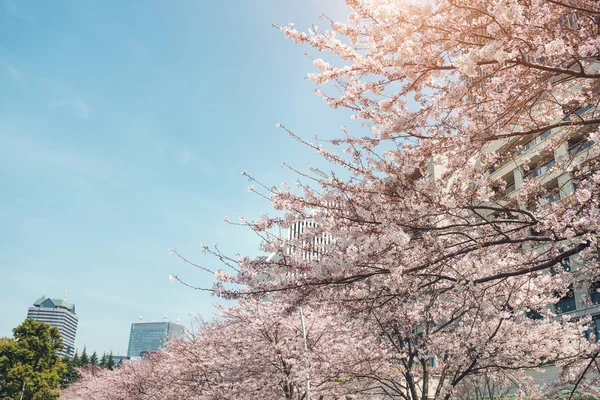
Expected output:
(146, 337)
(58, 313)
(307, 246)
(118, 359)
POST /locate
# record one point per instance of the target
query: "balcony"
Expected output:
(534, 142)
(500, 164)
(580, 111)
(595, 296)
(566, 304)
(579, 147)
(552, 198)
(541, 170)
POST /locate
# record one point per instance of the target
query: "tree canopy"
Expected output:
(29, 366)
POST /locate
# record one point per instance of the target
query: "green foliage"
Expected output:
(110, 362)
(84, 359)
(70, 375)
(75, 360)
(29, 366)
(94, 359)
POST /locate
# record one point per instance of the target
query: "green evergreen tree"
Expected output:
(84, 360)
(29, 366)
(94, 359)
(103, 361)
(75, 361)
(110, 363)
(70, 375)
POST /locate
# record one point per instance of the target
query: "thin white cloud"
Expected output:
(186, 157)
(61, 96)
(74, 106)
(25, 151)
(83, 108)
(13, 9)
(14, 73)
(168, 149)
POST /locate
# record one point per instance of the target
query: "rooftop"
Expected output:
(54, 303)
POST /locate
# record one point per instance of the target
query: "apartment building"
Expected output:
(527, 158)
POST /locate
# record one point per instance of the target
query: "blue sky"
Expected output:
(124, 129)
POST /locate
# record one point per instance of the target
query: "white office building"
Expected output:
(60, 314)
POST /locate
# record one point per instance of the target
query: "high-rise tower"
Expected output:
(58, 313)
(147, 337)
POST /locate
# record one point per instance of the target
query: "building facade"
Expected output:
(308, 248)
(119, 359)
(60, 314)
(147, 337)
(530, 161)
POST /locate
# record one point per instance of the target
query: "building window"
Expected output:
(534, 142)
(567, 302)
(594, 293)
(533, 314)
(579, 111)
(577, 144)
(594, 328)
(539, 169)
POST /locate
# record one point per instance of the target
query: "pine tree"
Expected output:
(75, 361)
(110, 363)
(70, 375)
(84, 360)
(103, 361)
(94, 359)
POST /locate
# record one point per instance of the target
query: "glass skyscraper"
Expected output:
(58, 313)
(146, 337)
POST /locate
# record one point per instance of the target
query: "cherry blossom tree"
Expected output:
(253, 350)
(450, 90)
(158, 376)
(447, 237)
